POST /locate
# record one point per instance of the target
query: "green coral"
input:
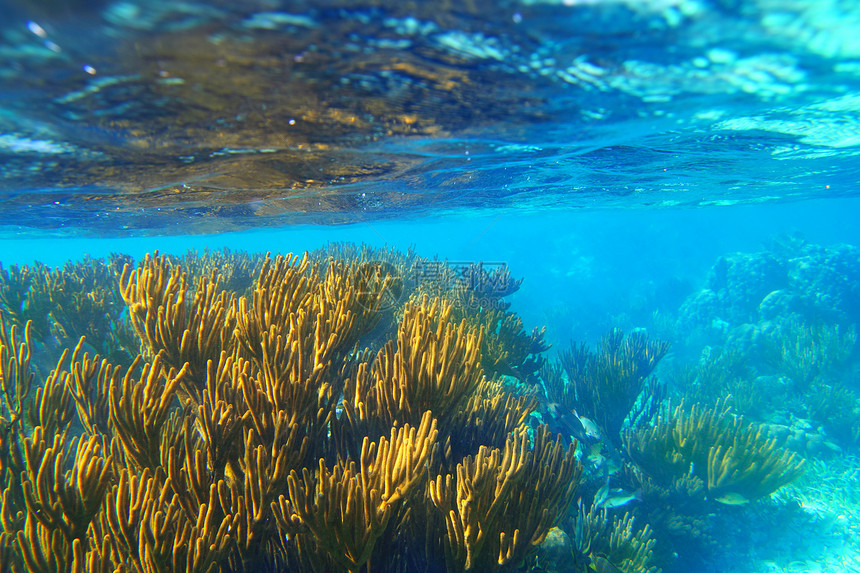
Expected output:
(733, 459)
(810, 352)
(837, 407)
(615, 540)
(606, 384)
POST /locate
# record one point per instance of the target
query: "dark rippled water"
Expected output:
(158, 117)
(683, 168)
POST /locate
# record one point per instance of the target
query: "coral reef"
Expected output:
(253, 431)
(350, 410)
(719, 373)
(507, 349)
(491, 515)
(236, 269)
(791, 313)
(478, 297)
(597, 538)
(475, 290)
(733, 460)
(806, 282)
(694, 467)
(837, 408)
(606, 384)
(807, 353)
(64, 304)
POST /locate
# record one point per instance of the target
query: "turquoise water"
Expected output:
(685, 170)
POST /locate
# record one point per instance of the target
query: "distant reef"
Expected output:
(747, 295)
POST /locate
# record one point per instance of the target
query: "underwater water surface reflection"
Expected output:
(209, 117)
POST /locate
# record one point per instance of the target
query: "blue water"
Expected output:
(612, 153)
